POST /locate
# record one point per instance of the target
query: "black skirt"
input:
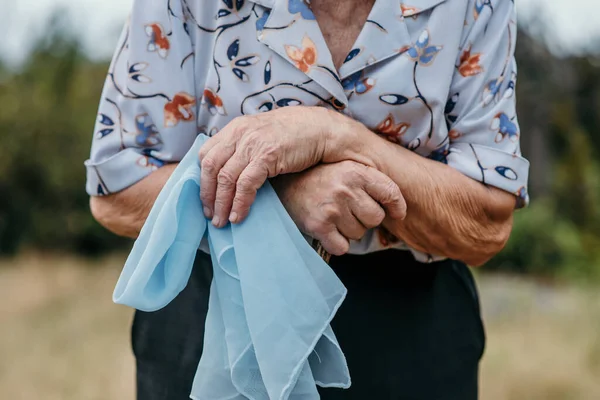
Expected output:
(408, 330)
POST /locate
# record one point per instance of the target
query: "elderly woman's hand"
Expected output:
(239, 159)
(337, 202)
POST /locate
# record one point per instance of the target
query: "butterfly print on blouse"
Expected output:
(469, 64)
(159, 42)
(181, 108)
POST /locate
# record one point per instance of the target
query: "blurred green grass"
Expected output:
(61, 336)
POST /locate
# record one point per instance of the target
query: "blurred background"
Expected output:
(62, 338)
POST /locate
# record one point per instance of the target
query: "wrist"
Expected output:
(349, 140)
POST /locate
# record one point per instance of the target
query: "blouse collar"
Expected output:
(385, 35)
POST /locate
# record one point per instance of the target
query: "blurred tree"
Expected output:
(533, 90)
(46, 116)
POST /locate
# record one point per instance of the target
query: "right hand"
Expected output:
(335, 203)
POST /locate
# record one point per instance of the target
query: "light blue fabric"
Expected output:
(271, 300)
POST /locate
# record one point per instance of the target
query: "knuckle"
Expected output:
(342, 192)
(359, 175)
(360, 168)
(354, 172)
(208, 165)
(222, 202)
(270, 151)
(374, 217)
(347, 165)
(246, 184)
(390, 191)
(316, 228)
(238, 124)
(229, 146)
(243, 125)
(346, 192)
(331, 212)
(225, 178)
(271, 160)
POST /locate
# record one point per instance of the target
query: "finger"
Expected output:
(209, 144)
(349, 226)
(367, 211)
(211, 165)
(327, 233)
(334, 242)
(386, 192)
(248, 183)
(226, 187)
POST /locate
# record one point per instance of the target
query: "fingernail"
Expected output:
(233, 217)
(216, 221)
(207, 212)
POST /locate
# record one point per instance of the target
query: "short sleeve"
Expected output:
(147, 113)
(481, 114)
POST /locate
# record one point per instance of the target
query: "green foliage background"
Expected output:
(47, 112)
(48, 106)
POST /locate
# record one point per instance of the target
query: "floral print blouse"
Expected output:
(435, 76)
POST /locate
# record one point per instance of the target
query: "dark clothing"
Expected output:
(409, 331)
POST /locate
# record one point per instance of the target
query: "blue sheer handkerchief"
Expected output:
(267, 333)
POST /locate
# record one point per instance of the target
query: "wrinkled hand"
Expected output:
(337, 202)
(238, 160)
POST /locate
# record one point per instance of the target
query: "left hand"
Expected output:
(238, 160)
(338, 202)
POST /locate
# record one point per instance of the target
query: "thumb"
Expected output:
(386, 192)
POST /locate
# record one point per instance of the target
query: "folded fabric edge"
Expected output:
(220, 263)
(122, 293)
(161, 304)
(334, 385)
(298, 369)
(348, 383)
(138, 254)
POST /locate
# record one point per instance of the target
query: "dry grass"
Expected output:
(543, 341)
(61, 338)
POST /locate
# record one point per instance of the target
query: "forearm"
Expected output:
(448, 214)
(125, 212)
